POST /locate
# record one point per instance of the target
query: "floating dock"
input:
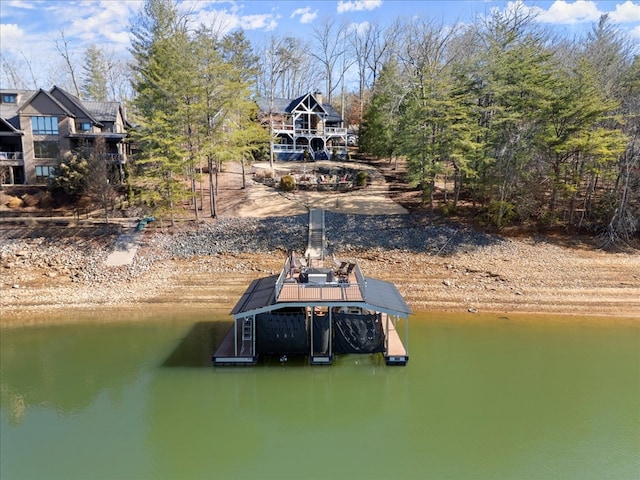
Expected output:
(317, 308)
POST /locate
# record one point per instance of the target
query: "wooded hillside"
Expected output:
(522, 126)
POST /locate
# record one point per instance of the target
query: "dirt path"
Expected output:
(259, 200)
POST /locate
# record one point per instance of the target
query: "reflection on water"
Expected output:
(66, 368)
(502, 398)
(198, 344)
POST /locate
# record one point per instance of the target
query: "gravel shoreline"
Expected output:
(345, 233)
(437, 266)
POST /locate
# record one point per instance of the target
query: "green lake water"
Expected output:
(481, 398)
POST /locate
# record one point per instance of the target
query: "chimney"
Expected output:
(318, 96)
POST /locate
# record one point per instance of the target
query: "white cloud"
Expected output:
(306, 15)
(101, 22)
(265, 21)
(11, 36)
(360, 28)
(626, 12)
(358, 5)
(21, 4)
(562, 12)
(635, 33)
(223, 20)
(219, 21)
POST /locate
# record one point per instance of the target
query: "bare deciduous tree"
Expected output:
(330, 48)
(62, 45)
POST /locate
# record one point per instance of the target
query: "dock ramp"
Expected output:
(316, 244)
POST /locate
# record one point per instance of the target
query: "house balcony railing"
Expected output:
(281, 127)
(287, 147)
(13, 156)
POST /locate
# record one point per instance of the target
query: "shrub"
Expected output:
(70, 175)
(30, 200)
(45, 200)
(263, 175)
(14, 202)
(287, 183)
(361, 178)
(501, 213)
(448, 208)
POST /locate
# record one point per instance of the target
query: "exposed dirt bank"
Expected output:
(45, 272)
(512, 276)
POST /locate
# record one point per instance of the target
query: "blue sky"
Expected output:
(29, 28)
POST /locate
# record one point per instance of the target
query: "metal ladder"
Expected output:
(247, 334)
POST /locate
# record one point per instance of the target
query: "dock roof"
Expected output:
(379, 295)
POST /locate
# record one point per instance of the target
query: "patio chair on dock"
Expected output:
(345, 270)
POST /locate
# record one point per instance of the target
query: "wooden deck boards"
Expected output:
(301, 292)
(396, 351)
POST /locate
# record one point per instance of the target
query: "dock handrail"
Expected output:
(360, 278)
(303, 289)
(282, 276)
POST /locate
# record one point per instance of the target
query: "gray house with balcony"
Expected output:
(303, 124)
(39, 127)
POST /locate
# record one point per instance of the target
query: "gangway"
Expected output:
(316, 244)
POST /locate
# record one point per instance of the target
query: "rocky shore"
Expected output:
(436, 266)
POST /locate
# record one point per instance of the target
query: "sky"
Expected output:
(29, 28)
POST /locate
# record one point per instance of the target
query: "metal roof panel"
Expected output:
(260, 293)
(385, 295)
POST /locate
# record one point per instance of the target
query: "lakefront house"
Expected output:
(39, 127)
(303, 128)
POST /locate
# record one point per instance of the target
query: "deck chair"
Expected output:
(345, 270)
(341, 271)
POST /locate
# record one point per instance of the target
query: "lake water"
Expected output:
(481, 398)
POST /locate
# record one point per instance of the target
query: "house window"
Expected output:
(44, 173)
(46, 149)
(44, 125)
(9, 98)
(85, 126)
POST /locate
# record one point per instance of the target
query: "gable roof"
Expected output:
(10, 110)
(49, 97)
(97, 112)
(288, 106)
(7, 127)
(75, 102)
(300, 100)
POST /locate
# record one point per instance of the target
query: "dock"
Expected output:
(319, 307)
(395, 352)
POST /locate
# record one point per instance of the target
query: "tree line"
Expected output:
(520, 126)
(500, 117)
(192, 108)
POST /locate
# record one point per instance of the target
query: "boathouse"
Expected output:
(318, 307)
